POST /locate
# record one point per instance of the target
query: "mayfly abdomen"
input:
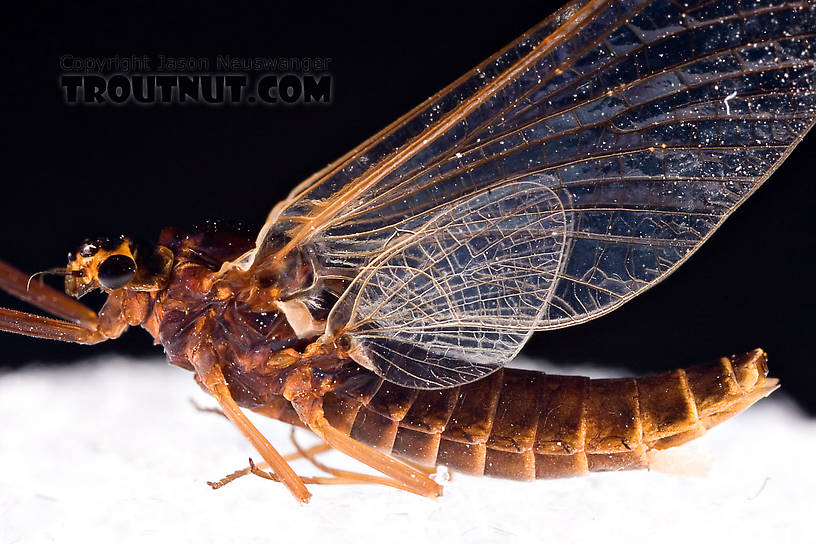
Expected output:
(523, 425)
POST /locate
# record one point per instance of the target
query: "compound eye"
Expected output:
(88, 249)
(116, 271)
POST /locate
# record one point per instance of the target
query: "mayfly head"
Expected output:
(117, 263)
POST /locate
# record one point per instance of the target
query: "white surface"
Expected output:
(113, 451)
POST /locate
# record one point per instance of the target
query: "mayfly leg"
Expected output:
(403, 476)
(209, 373)
(82, 323)
(338, 477)
(46, 298)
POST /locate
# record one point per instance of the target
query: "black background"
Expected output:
(75, 171)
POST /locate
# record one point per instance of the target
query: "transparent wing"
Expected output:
(458, 297)
(598, 80)
(650, 122)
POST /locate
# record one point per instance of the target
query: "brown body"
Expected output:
(514, 424)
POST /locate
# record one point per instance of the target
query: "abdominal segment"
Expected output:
(523, 425)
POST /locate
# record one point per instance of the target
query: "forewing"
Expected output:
(650, 121)
(606, 90)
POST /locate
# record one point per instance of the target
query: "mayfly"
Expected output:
(378, 305)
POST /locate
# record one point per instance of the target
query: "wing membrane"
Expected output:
(461, 294)
(649, 121)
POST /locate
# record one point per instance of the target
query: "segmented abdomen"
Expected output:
(522, 425)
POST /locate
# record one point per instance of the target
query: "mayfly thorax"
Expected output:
(381, 300)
